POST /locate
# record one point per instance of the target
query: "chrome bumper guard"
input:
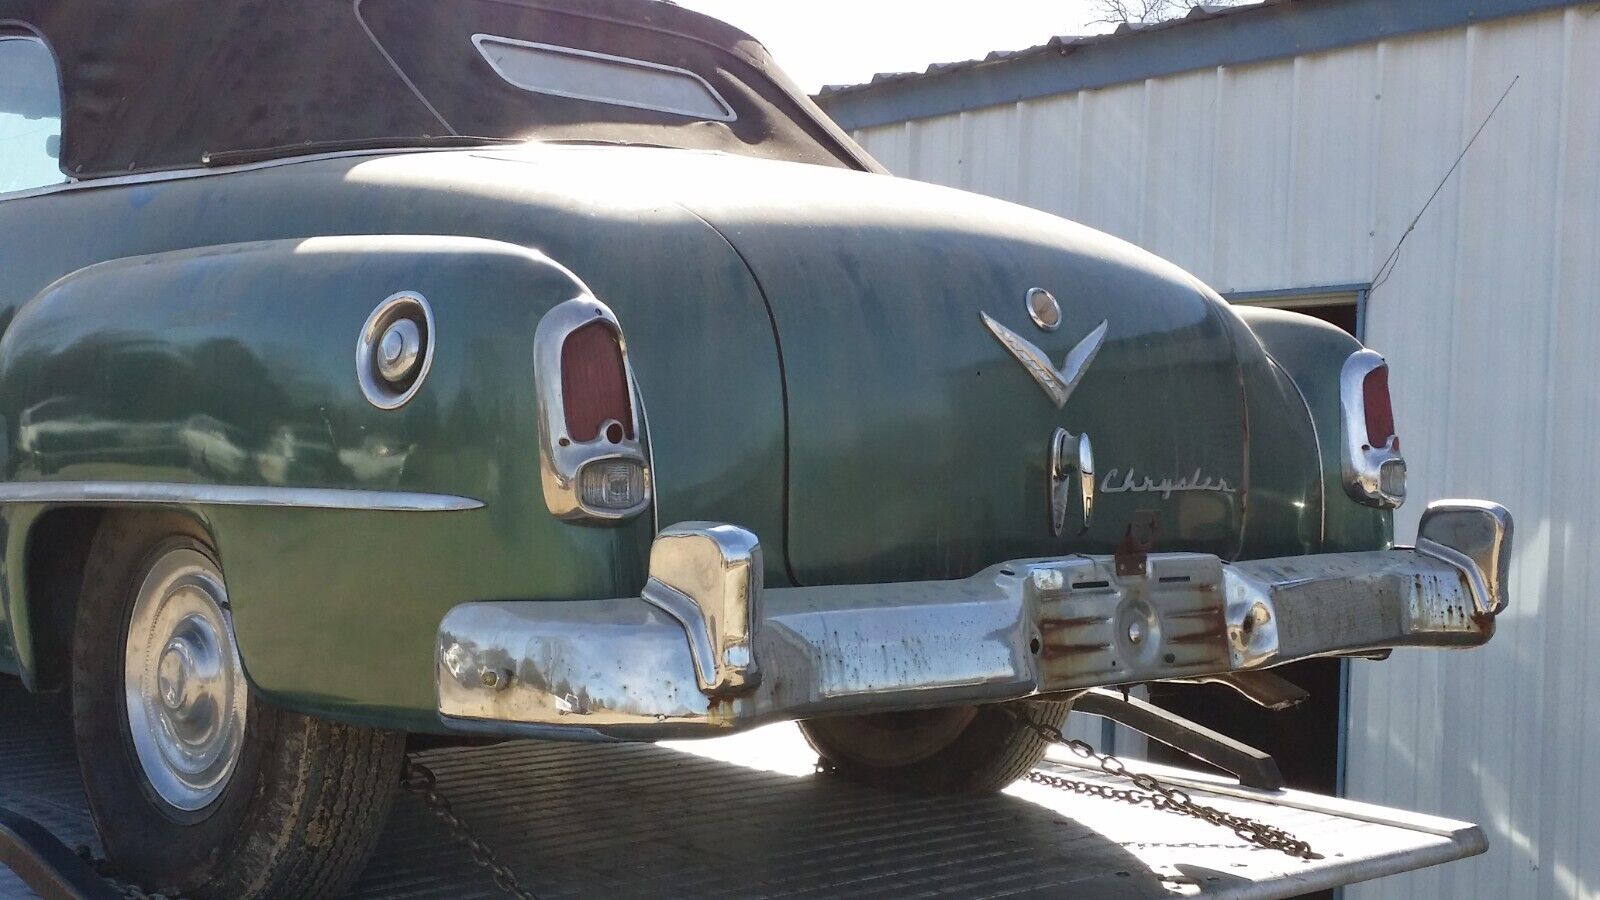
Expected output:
(705, 650)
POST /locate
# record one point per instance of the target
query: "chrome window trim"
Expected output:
(479, 39)
(231, 495)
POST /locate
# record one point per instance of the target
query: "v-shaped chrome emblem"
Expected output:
(1058, 384)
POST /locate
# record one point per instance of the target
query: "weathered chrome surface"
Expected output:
(1043, 309)
(395, 350)
(1057, 384)
(708, 577)
(625, 669)
(230, 495)
(184, 687)
(399, 350)
(1475, 537)
(1375, 476)
(562, 458)
(1071, 477)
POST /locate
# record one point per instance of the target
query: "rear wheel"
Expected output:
(962, 750)
(198, 786)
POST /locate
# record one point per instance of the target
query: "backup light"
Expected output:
(612, 484)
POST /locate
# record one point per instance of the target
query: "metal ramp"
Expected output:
(745, 817)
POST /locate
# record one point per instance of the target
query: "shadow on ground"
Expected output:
(639, 820)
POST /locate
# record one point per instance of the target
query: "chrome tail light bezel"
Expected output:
(1364, 466)
(562, 458)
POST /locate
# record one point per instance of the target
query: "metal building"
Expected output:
(1280, 152)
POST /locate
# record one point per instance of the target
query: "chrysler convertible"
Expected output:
(461, 370)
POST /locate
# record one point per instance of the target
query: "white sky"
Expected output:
(846, 41)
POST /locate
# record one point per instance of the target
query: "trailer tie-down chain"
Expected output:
(127, 889)
(418, 779)
(1156, 795)
(415, 779)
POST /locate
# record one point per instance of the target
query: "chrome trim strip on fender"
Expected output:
(231, 495)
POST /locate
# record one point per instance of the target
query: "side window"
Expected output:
(30, 115)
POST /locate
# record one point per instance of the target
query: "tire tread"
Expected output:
(992, 752)
(301, 822)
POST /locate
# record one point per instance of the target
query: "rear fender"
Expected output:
(1310, 353)
(236, 365)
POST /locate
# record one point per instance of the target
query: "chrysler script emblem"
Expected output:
(1058, 384)
(1116, 482)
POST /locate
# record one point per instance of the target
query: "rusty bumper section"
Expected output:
(706, 650)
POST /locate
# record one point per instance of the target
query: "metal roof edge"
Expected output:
(1249, 35)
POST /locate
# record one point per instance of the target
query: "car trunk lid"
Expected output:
(919, 442)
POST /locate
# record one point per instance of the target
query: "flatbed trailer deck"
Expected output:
(747, 816)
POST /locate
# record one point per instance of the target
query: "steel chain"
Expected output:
(419, 779)
(1157, 795)
(125, 889)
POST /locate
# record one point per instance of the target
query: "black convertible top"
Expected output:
(163, 84)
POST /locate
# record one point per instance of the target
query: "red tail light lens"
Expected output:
(594, 385)
(1373, 471)
(1379, 409)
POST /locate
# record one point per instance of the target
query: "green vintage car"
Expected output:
(556, 369)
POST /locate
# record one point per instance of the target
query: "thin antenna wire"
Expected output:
(1387, 269)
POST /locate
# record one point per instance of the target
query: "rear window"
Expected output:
(602, 78)
(520, 69)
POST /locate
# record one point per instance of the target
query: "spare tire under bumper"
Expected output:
(706, 651)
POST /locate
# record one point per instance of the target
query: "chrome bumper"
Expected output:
(706, 650)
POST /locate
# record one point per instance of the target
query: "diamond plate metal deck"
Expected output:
(745, 817)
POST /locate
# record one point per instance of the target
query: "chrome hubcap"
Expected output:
(184, 687)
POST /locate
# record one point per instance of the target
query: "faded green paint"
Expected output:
(1313, 352)
(188, 331)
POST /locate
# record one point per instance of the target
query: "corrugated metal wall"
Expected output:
(1306, 172)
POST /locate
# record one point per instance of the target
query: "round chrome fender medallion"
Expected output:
(395, 350)
(1044, 309)
(184, 687)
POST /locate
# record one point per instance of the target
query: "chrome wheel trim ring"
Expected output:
(183, 685)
